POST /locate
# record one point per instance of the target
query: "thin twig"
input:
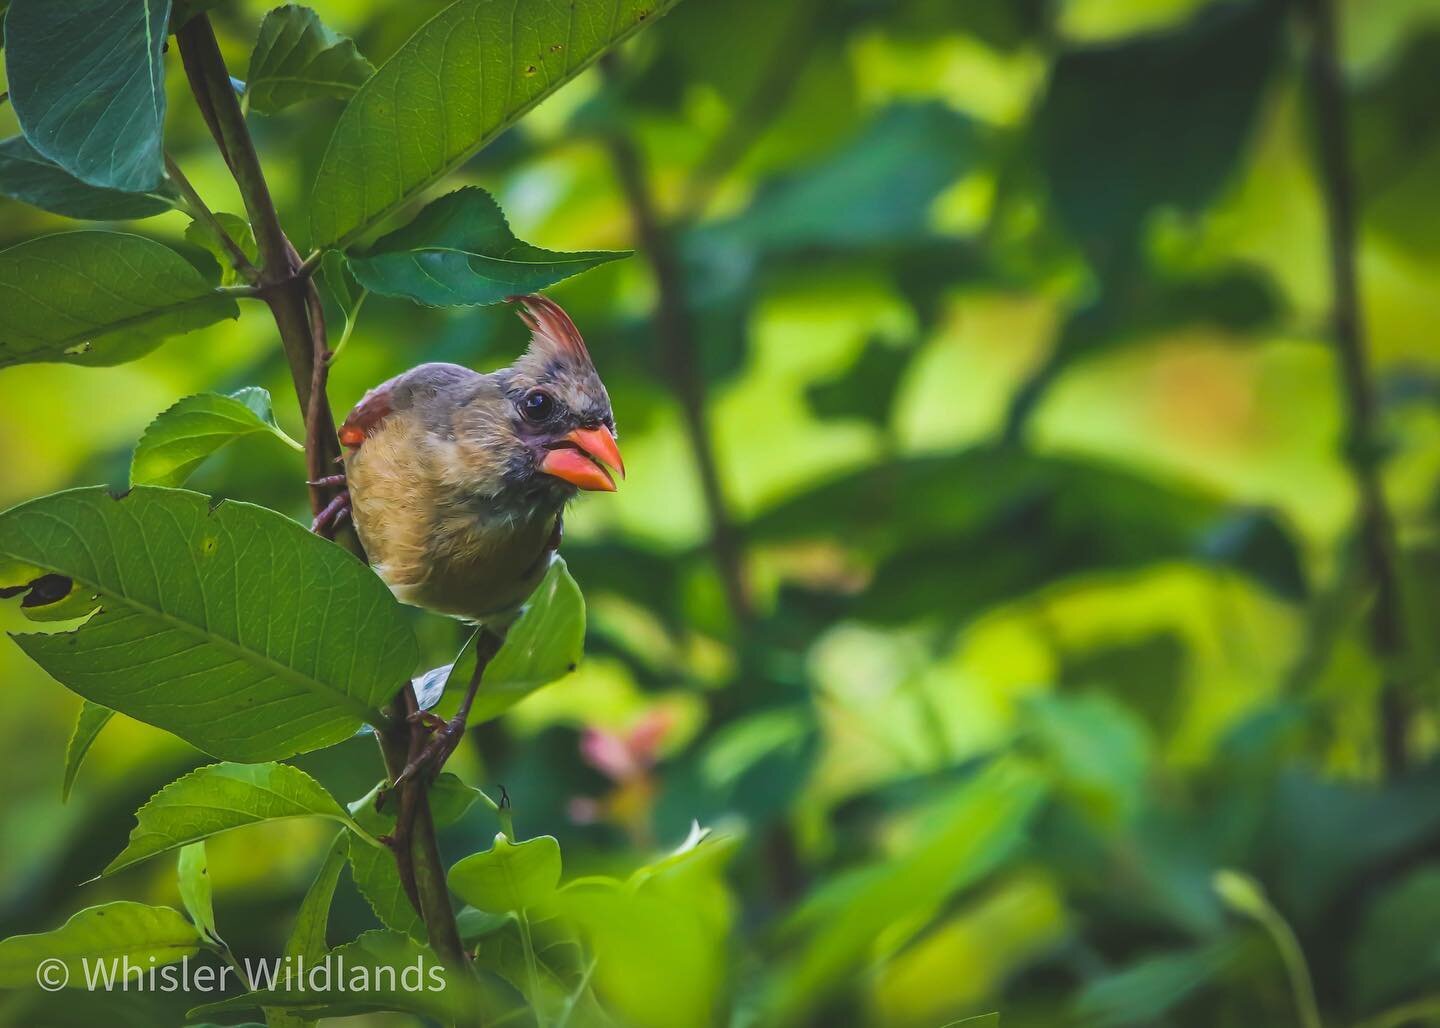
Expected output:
(205, 217)
(1375, 523)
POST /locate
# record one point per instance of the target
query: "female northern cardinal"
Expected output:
(457, 480)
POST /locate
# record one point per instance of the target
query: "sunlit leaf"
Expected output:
(461, 80)
(219, 797)
(296, 58)
(102, 935)
(91, 720)
(98, 111)
(193, 872)
(30, 178)
(509, 876)
(459, 250)
(98, 298)
(231, 626)
(180, 438)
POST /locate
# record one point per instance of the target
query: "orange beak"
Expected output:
(582, 457)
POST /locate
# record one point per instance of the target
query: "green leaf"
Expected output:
(109, 932)
(459, 250)
(98, 298)
(1146, 991)
(92, 719)
(382, 971)
(219, 797)
(545, 643)
(297, 58)
(30, 178)
(373, 869)
(238, 229)
(193, 872)
(232, 626)
(509, 876)
(467, 75)
(179, 440)
(87, 81)
(307, 938)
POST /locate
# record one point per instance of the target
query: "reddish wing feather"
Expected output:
(361, 422)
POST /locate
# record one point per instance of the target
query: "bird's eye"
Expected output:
(537, 405)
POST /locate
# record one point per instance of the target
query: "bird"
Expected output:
(457, 481)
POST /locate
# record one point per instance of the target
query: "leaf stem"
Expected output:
(532, 972)
(198, 210)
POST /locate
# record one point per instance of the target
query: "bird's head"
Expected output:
(558, 408)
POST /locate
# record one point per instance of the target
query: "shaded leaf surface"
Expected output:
(98, 298)
(193, 872)
(234, 628)
(30, 178)
(463, 78)
(297, 58)
(92, 719)
(99, 112)
(460, 250)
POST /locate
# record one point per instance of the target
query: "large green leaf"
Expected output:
(87, 81)
(104, 935)
(467, 75)
(98, 298)
(93, 717)
(297, 58)
(545, 643)
(180, 438)
(509, 876)
(231, 626)
(219, 797)
(30, 178)
(460, 250)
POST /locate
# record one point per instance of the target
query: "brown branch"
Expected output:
(1375, 528)
(286, 288)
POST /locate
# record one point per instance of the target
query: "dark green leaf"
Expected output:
(238, 229)
(179, 440)
(219, 797)
(508, 876)
(92, 719)
(460, 81)
(1127, 127)
(110, 932)
(30, 178)
(459, 250)
(87, 81)
(231, 626)
(1143, 993)
(98, 298)
(297, 58)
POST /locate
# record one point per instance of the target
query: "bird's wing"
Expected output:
(398, 394)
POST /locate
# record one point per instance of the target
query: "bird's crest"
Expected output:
(553, 334)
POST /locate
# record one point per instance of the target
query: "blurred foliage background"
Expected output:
(988, 566)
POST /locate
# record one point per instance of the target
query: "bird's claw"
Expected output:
(428, 718)
(446, 736)
(332, 516)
